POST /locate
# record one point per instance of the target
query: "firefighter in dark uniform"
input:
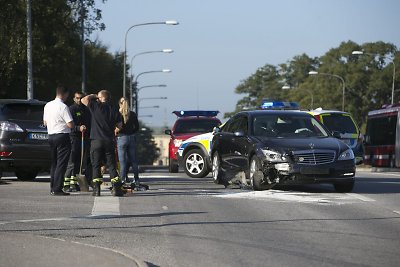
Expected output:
(81, 116)
(102, 141)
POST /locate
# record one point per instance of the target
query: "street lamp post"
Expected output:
(155, 85)
(148, 98)
(168, 22)
(287, 87)
(167, 50)
(358, 53)
(336, 76)
(157, 106)
(135, 89)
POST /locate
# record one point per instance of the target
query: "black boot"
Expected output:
(117, 190)
(96, 189)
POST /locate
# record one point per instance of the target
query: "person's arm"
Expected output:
(87, 99)
(68, 118)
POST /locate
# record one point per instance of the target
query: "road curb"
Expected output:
(67, 252)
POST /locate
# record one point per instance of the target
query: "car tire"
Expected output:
(173, 166)
(216, 169)
(26, 175)
(344, 187)
(256, 176)
(195, 163)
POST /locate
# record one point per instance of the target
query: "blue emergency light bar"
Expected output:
(196, 113)
(267, 104)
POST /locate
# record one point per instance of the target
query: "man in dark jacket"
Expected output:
(81, 116)
(102, 146)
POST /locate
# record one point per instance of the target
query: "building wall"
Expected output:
(162, 142)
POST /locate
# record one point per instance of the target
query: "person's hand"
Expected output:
(116, 131)
(82, 128)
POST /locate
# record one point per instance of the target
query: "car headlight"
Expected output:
(273, 156)
(346, 155)
(177, 142)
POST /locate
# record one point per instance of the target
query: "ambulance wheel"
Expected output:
(173, 166)
(195, 164)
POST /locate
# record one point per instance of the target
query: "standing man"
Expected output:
(58, 119)
(104, 120)
(81, 117)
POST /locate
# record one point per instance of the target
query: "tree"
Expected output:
(147, 151)
(368, 80)
(56, 45)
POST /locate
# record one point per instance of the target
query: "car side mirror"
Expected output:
(169, 132)
(216, 130)
(336, 134)
(239, 134)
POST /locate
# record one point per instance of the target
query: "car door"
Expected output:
(240, 144)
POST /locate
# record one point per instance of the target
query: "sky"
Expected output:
(219, 43)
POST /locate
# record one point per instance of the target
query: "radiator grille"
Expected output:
(314, 157)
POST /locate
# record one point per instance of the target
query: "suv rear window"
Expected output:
(22, 111)
(195, 126)
(340, 123)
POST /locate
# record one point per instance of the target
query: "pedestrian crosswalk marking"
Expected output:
(292, 196)
(106, 205)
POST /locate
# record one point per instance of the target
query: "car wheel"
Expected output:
(26, 175)
(195, 164)
(344, 187)
(216, 169)
(256, 176)
(173, 166)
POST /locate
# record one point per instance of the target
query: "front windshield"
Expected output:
(278, 126)
(195, 126)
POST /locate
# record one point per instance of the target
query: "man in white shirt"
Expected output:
(59, 122)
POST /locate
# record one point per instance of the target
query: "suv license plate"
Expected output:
(38, 136)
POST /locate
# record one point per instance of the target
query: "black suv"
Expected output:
(280, 147)
(24, 147)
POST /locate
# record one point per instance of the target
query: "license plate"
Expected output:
(314, 170)
(38, 136)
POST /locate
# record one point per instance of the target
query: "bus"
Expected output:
(382, 137)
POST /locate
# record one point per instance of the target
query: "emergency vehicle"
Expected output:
(382, 137)
(188, 124)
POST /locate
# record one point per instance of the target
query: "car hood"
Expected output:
(293, 144)
(184, 136)
(200, 137)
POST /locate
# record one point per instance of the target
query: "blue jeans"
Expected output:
(127, 156)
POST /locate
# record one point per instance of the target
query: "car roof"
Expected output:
(274, 112)
(21, 101)
(197, 118)
(327, 111)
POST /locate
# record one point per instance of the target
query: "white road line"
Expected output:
(36, 220)
(360, 197)
(106, 205)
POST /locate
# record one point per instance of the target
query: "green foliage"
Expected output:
(367, 77)
(147, 151)
(56, 49)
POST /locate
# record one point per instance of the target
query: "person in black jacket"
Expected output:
(104, 120)
(81, 117)
(126, 142)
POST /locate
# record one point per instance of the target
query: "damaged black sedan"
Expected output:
(264, 148)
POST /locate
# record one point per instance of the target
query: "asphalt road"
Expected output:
(182, 221)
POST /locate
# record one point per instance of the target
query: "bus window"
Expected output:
(376, 136)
